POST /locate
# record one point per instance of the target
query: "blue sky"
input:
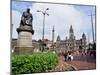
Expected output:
(20, 6)
(61, 16)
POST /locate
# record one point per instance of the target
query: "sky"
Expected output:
(61, 16)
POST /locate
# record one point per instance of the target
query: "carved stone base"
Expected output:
(24, 43)
(23, 50)
(24, 39)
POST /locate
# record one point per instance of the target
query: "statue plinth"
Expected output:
(24, 42)
(27, 28)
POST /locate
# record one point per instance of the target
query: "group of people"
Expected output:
(68, 56)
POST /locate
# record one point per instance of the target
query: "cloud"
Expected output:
(16, 16)
(61, 16)
(20, 6)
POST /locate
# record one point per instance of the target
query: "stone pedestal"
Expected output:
(24, 42)
(24, 39)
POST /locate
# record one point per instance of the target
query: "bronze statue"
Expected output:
(26, 18)
(26, 22)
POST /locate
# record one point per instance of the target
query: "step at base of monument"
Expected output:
(23, 50)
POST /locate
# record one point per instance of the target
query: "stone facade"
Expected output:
(71, 43)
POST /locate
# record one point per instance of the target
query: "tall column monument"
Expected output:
(25, 32)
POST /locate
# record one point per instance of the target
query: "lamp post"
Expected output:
(53, 30)
(92, 26)
(44, 13)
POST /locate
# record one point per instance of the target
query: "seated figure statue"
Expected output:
(26, 22)
(26, 18)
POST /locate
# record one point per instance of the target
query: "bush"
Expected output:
(37, 62)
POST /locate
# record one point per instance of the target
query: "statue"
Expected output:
(26, 18)
(26, 22)
(25, 32)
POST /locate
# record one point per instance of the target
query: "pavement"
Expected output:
(84, 62)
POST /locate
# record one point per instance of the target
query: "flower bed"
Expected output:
(35, 63)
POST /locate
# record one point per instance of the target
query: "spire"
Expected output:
(53, 30)
(71, 29)
(71, 33)
(83, 36)
(58, 38)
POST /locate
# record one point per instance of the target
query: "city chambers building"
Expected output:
(72, 43)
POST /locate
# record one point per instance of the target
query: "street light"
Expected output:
(92, 25)
(44, 13)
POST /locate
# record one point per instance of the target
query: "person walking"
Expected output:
(65, 56)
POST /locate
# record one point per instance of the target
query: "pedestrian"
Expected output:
(70, 57)
(82, 53)
(85, 52)
(65, 56)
